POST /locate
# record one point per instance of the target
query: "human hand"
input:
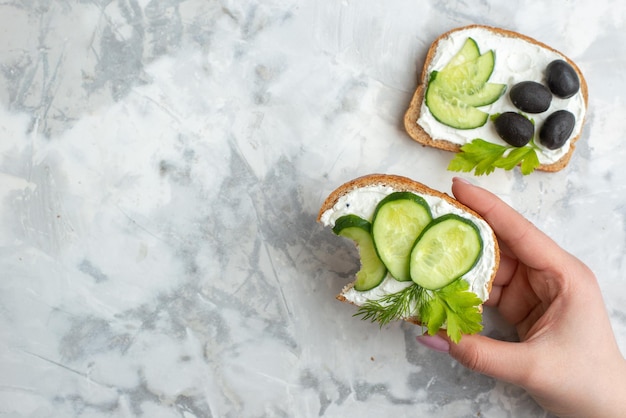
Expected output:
(567, 358)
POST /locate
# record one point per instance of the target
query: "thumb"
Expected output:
(502, 360)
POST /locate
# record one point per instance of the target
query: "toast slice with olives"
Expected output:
(499, 99)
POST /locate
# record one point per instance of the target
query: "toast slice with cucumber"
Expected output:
(424, 257)
(465, 84)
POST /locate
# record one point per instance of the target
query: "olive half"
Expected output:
(531, 97)
(556, 129)
(514, 128)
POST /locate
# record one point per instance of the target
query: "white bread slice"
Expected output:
(412, 114)
(398, 183)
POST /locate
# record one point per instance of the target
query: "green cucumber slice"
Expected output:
(468, 52)
(447, 249)
(398, 220)
(487, 94)
(469, 77)
(451, 111)
(372, 271)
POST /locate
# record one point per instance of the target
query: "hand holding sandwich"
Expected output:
(567, 357)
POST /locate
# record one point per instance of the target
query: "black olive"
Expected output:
(514, 128)
(556, 129)
(562, 79)
(531, 97)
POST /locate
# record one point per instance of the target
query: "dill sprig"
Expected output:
(394, 306)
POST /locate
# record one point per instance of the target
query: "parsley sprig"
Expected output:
(484, 157)
(453, 306)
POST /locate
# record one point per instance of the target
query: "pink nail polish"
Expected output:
(434, 342)
(462, 180)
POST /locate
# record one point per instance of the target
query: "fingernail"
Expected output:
(434, 342)
(462, 180)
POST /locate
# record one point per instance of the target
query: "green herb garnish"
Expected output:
(394, 306)
(453, 306)
(484, 157)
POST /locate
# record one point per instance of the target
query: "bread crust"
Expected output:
(401, 184)
(412, 114)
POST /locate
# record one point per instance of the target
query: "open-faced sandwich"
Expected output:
(425, 257)
(498, 99)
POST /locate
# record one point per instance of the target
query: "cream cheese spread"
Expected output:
(516, 60)
(362, 202)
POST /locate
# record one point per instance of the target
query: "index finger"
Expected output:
(531, 246)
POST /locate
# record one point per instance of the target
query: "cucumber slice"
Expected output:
(469, 77)
(447, 249)
(468, 52)
(487, 94)
(451, 111)
(398, 220)
(372, 271)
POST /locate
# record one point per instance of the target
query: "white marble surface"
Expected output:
(161, 166)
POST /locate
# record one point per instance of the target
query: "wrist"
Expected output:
(610, 398)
